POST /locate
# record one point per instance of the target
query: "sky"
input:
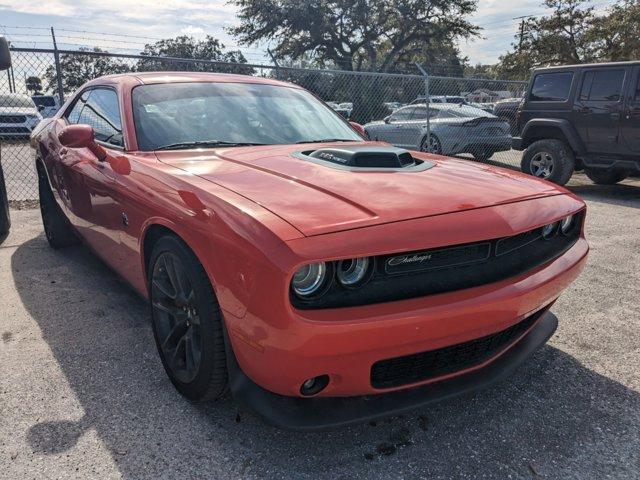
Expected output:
(120, 25)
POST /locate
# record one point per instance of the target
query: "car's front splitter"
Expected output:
(308, 414)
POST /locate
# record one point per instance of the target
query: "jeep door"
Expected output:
(630, 122)
(598, 108)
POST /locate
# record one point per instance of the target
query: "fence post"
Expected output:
(427, 99)
(56, 57)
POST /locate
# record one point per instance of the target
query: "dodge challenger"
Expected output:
(321, 278)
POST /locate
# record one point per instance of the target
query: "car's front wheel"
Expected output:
(606, 177)
(56, 228)
(550, 159)
(187, 322)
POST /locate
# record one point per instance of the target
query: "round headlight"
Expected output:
(549, 230)
(353, 271)
(566, 224)
(309, 279)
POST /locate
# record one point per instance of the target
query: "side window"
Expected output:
(602, 85)
(551, 87)
(102, 112)
(402, 114)
(73, 115)
(420, 113)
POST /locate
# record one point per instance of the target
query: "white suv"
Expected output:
(18, 115)
(48, 105)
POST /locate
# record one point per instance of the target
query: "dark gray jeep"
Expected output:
(581, 117)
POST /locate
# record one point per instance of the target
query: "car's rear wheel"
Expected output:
(187, 322)
(431, 144)
(606, 177)
(56, 228)
(550, 159)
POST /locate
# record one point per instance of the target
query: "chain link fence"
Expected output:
(452, 116)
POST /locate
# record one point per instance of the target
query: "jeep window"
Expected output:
(602, 85)
(551, 87)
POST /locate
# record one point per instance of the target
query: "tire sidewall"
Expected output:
(199, 387)
(562, 157)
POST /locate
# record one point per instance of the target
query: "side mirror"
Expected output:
(40, 108)
(387, 119)
(5, 54)
(358, 128)
(81, 136)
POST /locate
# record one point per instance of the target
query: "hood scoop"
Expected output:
(365, 158)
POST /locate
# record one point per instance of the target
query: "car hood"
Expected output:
(318, 199)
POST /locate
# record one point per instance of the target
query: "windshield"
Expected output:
(18, 101)
(186, 113)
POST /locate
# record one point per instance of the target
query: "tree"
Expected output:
(187, 47)
(77, 69)
(354, 34)
(34, 85)
(615, 35)
(563, 37)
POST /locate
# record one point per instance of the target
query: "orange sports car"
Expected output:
(322, 278)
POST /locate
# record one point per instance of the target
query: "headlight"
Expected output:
(549, 231)
(309, 280)
(566, 224)
(354, 271)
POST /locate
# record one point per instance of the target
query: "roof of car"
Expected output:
(588, 65)
(189, 77)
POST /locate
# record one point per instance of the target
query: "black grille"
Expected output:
(12, 119)
(14, 130)
(440, 270)
(422, 366)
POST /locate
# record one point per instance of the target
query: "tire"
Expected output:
(606, 177)
(550, 159)
(5, 219)
(56, 228)
(187, 321)
(436, 146)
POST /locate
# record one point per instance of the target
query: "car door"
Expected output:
(599, 108)
(396, 132)
(87, 183)
(630, 122)
(412, 129)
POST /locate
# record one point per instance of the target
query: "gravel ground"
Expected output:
(83, 393)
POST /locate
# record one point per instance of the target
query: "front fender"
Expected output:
(567, 130)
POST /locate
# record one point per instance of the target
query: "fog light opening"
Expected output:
(314, 385)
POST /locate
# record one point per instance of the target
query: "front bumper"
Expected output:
(305, 414)
(516, 143)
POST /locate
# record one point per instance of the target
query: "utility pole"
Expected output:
(56, 57)
(522, 23)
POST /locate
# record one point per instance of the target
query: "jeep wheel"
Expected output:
(550, 159)
(606, 177)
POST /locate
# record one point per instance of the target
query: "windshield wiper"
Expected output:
(205, 144)
(328, 140)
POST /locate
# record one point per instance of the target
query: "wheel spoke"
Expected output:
(176, 333)
(170, 309)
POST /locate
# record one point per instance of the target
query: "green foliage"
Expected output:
(358, 35)
(34, 85)
(79, 69)
(574, 33)
(187, 47)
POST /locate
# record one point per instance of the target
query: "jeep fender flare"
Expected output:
(567, 130)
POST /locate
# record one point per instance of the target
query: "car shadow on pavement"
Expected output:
(553, 417)
(624, 194)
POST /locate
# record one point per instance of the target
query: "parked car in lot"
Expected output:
(5, 218)
(453, 128)
(506, 111)
(18, 115)
(458, 100)
(581, 117)
(323, 278)
(48, 105)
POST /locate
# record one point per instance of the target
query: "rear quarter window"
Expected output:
(551, 87)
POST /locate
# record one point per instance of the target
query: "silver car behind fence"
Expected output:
(443, 128)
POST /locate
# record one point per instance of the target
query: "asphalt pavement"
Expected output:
(83, 393)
